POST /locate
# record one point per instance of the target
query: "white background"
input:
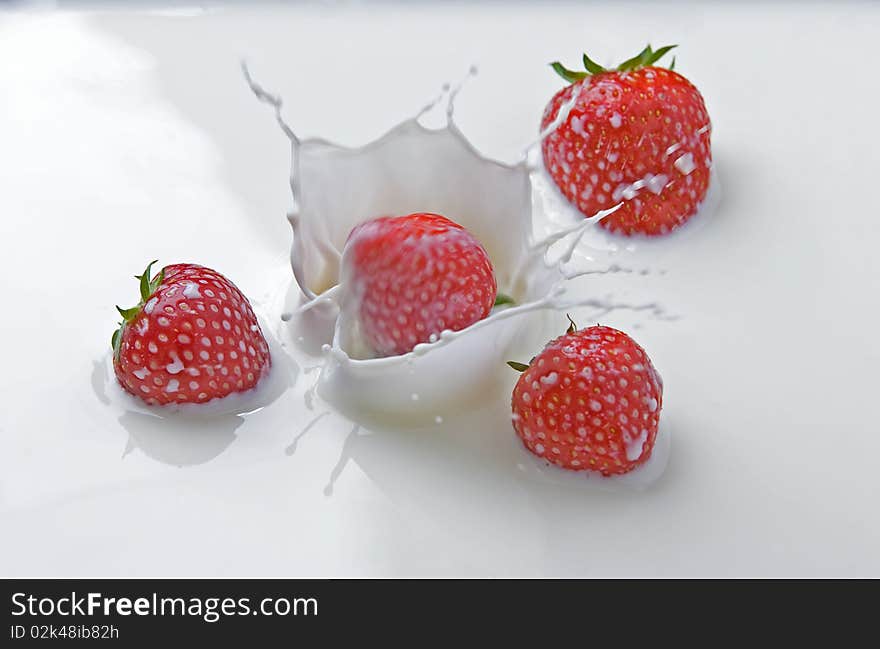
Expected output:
(126, 136)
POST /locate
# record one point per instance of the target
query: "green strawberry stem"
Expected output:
(643, 59)
(522, 367)
(148, 285)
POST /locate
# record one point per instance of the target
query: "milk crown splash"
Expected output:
(416, 169)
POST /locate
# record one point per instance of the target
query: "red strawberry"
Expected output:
(192, 338)
(416, 276)
(638, 134)
(589, 401)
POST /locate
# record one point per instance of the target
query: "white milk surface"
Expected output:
(131, 135)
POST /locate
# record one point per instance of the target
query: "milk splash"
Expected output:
(416, 169)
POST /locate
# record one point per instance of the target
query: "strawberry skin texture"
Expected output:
(416, 276)
(590, 400)
(195, 339)
(646, 130)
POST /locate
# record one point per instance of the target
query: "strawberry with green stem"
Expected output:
(191, 338)
(589, 401)
(637, 136)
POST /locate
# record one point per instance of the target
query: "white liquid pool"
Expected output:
(123, 143)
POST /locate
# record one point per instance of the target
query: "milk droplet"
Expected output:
(191, 290)
(685, 164)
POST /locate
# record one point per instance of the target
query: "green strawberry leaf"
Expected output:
(659, 54)
(145, 281)
(636, 61)
(643, 59)
(129, 314)
(503, 299)
(568, 75)
(157, 281)
(591, 66)
(116, 340)
(147, 287)
(519, 367)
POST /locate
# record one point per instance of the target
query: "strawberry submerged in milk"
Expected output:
(416, 276)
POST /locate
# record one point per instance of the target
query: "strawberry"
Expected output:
(416, 276)
(637, 135)
(193, 337)
(589, 401)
